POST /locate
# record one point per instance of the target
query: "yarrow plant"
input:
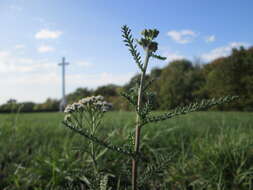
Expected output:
(85, 116)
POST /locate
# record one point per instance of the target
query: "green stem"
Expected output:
(138, 124)
(93, 154)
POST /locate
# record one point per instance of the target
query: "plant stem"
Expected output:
(93, 155)
(138, 125)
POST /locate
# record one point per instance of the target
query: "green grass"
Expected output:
(208, 150)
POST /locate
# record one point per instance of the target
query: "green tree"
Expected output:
(78, 94)
(107, 90)
(232, 75)
(175, 84)
(27, 107)
(48, 105)
(10, 106)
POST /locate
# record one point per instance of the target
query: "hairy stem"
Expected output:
(138, 125)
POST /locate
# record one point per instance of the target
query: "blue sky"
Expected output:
(35, 34)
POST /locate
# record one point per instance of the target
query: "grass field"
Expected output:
(208, 150)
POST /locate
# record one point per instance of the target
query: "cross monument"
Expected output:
(63, 102)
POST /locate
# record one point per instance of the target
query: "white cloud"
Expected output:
(48, 34)
(30, 87)
(210, 39)
(222, 51)
(94, 80)
(27, 78)
(49, 78)
(45, 49)
(19, 46)
(4, 54)
(83, 63)
(182, 36)
(174, 56)
(10, 63)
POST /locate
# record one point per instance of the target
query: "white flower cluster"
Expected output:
(96, 103)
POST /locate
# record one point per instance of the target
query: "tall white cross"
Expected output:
(63, 100)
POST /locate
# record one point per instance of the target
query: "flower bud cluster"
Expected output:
(95, 103)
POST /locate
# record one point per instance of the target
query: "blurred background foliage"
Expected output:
(178, 83)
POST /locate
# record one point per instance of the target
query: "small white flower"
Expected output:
(77, 106)
(100, 98)
(83, 101)
(94, 103)
(69, 109)
(100, 103)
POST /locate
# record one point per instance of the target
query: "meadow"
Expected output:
(208, 151)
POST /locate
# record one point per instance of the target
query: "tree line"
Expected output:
(178, 83)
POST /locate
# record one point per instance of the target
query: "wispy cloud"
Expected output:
(44, 22)
(94, 80)
(19, 75)
(209, 39)
(4, 54)
(83, 63)
(40, 86)
(48, 34)
(10, 63)
(182, 36)
(19, 46)
(173, 56)
(170, 54)
(222, 51)
(45, 49)
(16, 8)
